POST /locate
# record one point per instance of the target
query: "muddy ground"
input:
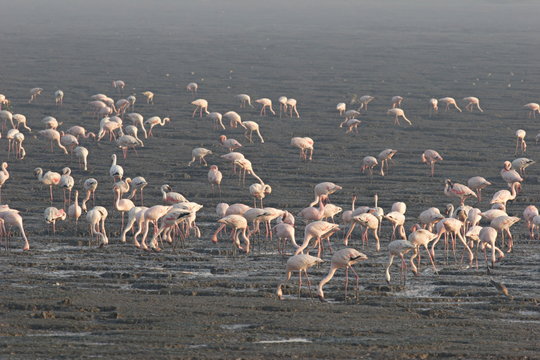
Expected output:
(65, 299)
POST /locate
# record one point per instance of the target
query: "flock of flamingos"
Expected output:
(175, 219)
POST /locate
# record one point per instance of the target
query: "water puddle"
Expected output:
(284, 341)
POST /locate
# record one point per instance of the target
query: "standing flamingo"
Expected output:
(488, 238)
(299, 263)
(449, 101)
(318, 230)
(138, 183)
(472, 101)
(96, 219)
(12, 218)
(214, 178)
(430, 157)
(149, 97)
(252, 126)
(240, 225)
(368, 163)
(216, 118)
(50, 178)
(396, 101)
(34, 92)
(90, 185)
(192, 87)
(305, 144)
(477, 183)
(199, 154)
(520, 141)
(266, 103)
(59, 97)
(341, 107)
(201, 105)
(52, 215)
(344, 258)
(4, 176)
(122, 205)
(244, 99)
(53, 136)
(74, 210)
(520, 164)
(397, 113)
(459, 191)
(156, 120)
(398, 248)
(364, 101)
(533, 109)
(230, 144)
(323, 190)
(384, 157)
(291, 103)
(66, 183)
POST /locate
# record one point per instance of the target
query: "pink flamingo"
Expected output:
(305, 145)
(50, 178)
(266, 103)
(430, 157)
(342, 259)
(214, 178)
(398, 248)
(299, 263)
(472, 101)
(239, 224)
(449, 101)
(200, 105)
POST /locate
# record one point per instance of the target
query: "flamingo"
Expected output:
(252, 126)
(3, 101)
(230, 144)
(134, 215)
(503, 196)
(116, 171)
(6, 116)
(90, 185)
(259, 191)
(520, 164)
(59, 97)
(19, 149)
(364, 101)
(397, 113)
(421, 237)
(453, 227)
(244, 99)
(199, 154)
(216, 118)
(4, 176)
(20, 119)
(125, 142)
(430, 217)
(528, 214)
(138, 183)
(240, 225)
(510, 175)
(282, 100)
(488, 237)
(344, 258)
(351, 114)
(246, 168)
(312, 213)
(266, 103)
(96, 219)
(201, 105)
(34, 92)
(368, 163)
(449, 101)
(384, 157)
(400, 207)
(305, 144)
(299, 263)
(503, 224)
(149, 97)
(214, 178)
(370, 222)
(152, 215)
(430, 157)
(138, 120)
(53, 136)
(318, 230)
(52, 215)
(283, 232)
(13, 218)
(351, 124)
(477, 183)
(398, 248)
(170, 197)
(472, 101)
(323, 190)
(234, 119)
(398, 221)
(118, 84)
(66, 183)
(520, 141)
(533, 109)
(291, 103)
(50, 178)
(122, 205)
(341, 107)
(459, 191)
(132, 99)
(79, 131)
(156, 120)
(396, 101)
(74, 210)
(192, 87)
(68, 141)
